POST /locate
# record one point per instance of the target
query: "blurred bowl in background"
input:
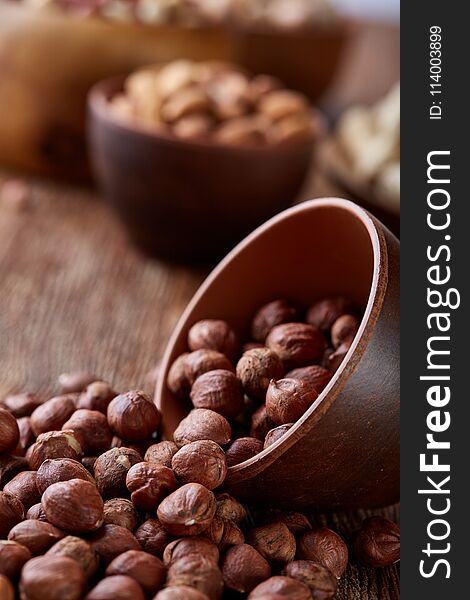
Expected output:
(304, 59)
(187, 200)
(49, 61)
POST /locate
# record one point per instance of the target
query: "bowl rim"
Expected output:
(378, 287)
(98, 104)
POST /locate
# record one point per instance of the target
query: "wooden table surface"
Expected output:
(75, 295)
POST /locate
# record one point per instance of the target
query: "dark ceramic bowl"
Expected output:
(185, 200)
(304, 59)
(344, 451)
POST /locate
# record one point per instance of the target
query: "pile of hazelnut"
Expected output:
(95, 506)
(216, 101)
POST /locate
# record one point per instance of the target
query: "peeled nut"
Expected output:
(261, 424)
(59, 577)
(174, 76)
(262, 85)
(37, 536)
(319, 579)
(256, 368)
(377, 543)
(201, 462)
(293, 129)
(6, 589)
(315, 376)
(275, 434)
(224, 533)
(9, 432)
(243, 568)
(147, 570)
(177, 380)
(190, 546)
(133, 416)
(213, 334)
(111, 469)
(274, 542)
(242, 449)
(12, 558)
(116, 587)
(180, 592)
(201, 361)
(335, 359)
(295, 521)
(92, 430)
(79, 550)
(74, 505)
(281, 586)
(60, 469)
(54, 444)
(111, 541)
(96, 396)
(75, 382)
(21, 405)
(268, 316)
(296, 344)
(247, 131)
(26, 436)
(153, 537)
(193, 126)
(323, 314)
(344, 329)
(148, 484)
(288, 399)
(182, 103)
(187, 511)
(199, 573)
(220, 391)
(324, 546)
(36, 512)
(120, 511)
(23, 486)
(10, 466)
(161, 453)
(279, 104)
(51, 415)
(230, 509)
(203, 424)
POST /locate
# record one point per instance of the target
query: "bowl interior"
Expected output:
(319, 248)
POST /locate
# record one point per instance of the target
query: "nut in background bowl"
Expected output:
(344, 451)
(188, 200)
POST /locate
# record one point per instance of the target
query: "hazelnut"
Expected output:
(288, 399)
(220, 391)
(116, 587)
(79, 550)
(23, 486)
(9, 432)
(323, 314)
(324, 546)
(6, 589)
(26, 436)
(149, 484)
(119, 511)
(335, 359)
(295, 521)
(242, 449)
(344, 329)
(279, 104)
(228, 92)
(319, 579)
(296, 344)
(11, 512)
(74, 505)
(185, 102)
(230, 509)
(268, 316)
(251, 346)
(147, 570)
(294, 129)
(153, 537)
(12, 558)
(36, 512)
(111, 470)
(190, 546)
(224, 533)
(111, 541)
(180, 592)
(213, 334)
(54, 444)
(275, 434)
(377, 543)
(91, 429)
(260, 423)
(283, 587)
(51, 415)
(96, 396)
(261, 85)
(76, 381)
(202, 361)
(59, 577)
(243, 568)
(37, 536)
(273, 541)
(201, 462)
(161, 453)
(247, 131)
(133, 416)
(173, 77)
(197, 572)
(21, 405)
(187, 511)
(10, 466)
(203, 424)
(60, 469)
(89, 463)
(255, 370)
(193, 126)
(314, 376)
(177, 379)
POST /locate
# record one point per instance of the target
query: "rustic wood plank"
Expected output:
(75, 295)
